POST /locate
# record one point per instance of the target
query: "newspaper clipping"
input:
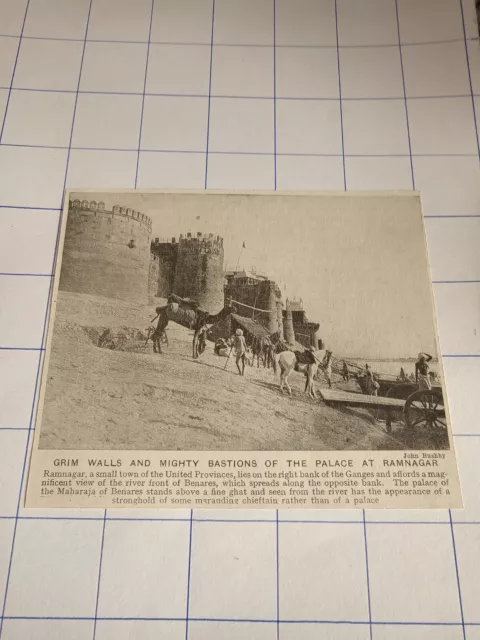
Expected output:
(236, 350)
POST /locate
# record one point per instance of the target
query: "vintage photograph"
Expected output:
(242, 322)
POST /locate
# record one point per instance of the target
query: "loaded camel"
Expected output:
(307, 363)
(198, 320)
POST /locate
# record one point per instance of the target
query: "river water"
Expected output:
(391, 367)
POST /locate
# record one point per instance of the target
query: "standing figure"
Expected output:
(345, 372)
(202, 340)
(327, 368)
(311, 371)
(369, 381)
(421, 372)
(240, 347)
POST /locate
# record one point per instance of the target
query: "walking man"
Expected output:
(240, 347)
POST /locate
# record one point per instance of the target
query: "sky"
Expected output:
(358, 262)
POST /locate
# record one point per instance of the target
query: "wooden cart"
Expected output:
(423, 408)
(420, 408)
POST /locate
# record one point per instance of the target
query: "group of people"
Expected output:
(404, 377)
(370, 382)
(237, 343)
(422, 376)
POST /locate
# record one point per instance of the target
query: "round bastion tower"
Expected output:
(199, 270)
(106, 253)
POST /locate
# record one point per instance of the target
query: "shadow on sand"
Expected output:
(212, 366)
(268, 385)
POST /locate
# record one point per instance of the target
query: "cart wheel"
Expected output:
(425, 408)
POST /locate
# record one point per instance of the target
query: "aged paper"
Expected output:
(236, 350)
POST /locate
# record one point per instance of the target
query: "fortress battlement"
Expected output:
(84, 206)
(259, 285)
(163, 242)
(160, 248)
(295, 304)
(112, 253)
(201, 243)
(106, 252)
(191, 267)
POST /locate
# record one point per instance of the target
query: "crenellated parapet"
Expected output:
(78, 206)
(86, 205)
(163, 247)
(106, 253)
(163, 241)
(206, 243)
(199, 269)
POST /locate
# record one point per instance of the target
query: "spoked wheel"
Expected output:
(425, 409)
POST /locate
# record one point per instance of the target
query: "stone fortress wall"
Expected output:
(106, 253)
(199, 270)
(190, 268)
(111, 254)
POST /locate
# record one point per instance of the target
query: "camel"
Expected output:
(198, 320)
(288, 361)
(202, 319)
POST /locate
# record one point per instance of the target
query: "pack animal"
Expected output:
(289, 361)
(196, 318)
(155, 335)
(262, 349)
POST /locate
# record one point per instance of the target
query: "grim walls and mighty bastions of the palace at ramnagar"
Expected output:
(111, 253)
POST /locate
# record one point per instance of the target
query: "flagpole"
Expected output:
(239, 256)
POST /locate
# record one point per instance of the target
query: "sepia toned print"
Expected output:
(240, 325)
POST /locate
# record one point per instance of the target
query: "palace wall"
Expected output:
(110, 254)
(164, 260)
(262, 295)
(199, 270)
(106, 253)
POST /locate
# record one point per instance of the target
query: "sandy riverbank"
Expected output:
(134, 399)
